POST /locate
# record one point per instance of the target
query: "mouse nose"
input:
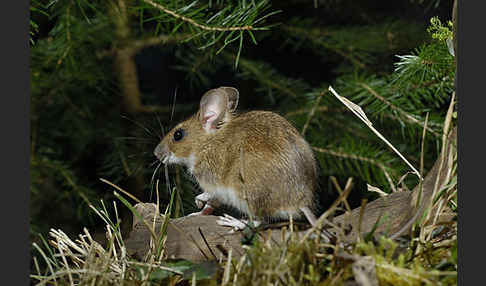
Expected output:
(160, 151)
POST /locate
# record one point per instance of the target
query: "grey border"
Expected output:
(15, 125)
(471, 143)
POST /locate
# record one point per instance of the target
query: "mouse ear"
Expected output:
(213, 107)
(233, 96)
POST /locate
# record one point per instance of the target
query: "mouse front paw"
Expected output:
(234, 223)
(202, 199)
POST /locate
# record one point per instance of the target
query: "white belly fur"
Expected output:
(229, 197)
(226, 196)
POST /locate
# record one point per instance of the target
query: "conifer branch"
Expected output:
(311, 36)
(306, 110)
(311, 113)
(135, 46)
(407, 116)
(347, 127)
(330, 119)
(266, 81)
(68, 35)
(194, 23)
(265, 75)
(381, 166)
(197, 67)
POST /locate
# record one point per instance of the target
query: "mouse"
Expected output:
(254, 161)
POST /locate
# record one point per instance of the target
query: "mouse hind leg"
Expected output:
(206, 202)
(309, 215)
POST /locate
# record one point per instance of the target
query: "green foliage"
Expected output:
(68, 91)
(290, 263)
(270, 82)
(208, 24)
(79, 131)
(438, 30)
(360, 45)
(35, 7)
(395, 266)
(47, 177)
(202, 271)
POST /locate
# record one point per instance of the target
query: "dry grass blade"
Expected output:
(64, 260)
(360, 221)
(155, 216)
(356, 109)
(85, 262)
(83, 265)
(320, 221)
(151, 229)
(447, 125)
(49, 264)
(377, 190)
(340, 191)
(156, 266)
(121, 190)
(443, 159)
(226, 274)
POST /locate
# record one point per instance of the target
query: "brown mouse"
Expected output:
(256, 161)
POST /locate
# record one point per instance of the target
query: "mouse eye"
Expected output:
(179, 134)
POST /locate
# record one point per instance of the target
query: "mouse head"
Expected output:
(182, 144)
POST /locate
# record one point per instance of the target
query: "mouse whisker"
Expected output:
(136, 139)
(153, 163)
(173, 105)
(135, 155)
(145, 128)
(166, 173)
(161, 128)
